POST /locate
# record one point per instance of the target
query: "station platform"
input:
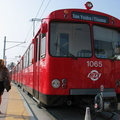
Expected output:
(13, 106)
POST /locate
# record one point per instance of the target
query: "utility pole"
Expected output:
(4, 49)
(33, 20)
(4, 57)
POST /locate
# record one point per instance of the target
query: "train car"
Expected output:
(74, 58)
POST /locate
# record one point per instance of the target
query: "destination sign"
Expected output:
(90, 17)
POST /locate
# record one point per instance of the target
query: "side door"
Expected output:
(36, 67)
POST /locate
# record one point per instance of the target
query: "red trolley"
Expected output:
(74, 57)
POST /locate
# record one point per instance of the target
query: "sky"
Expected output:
(16, 15)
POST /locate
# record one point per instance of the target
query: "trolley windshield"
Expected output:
(106, 42)
(74, 40)
(70, 40)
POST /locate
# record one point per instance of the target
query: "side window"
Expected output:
(25, 60)
(30, 54)
(39, 47)
(43, 46)
(20, 64)
(19, 68)
(36, 48)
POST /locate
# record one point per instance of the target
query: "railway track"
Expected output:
(75, 113)
(64, 112)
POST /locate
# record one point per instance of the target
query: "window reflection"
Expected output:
(106, 41)
(70, 39)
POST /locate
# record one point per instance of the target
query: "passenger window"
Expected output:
(43, 46)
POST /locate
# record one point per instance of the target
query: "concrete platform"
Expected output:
(13, 106)
(17, 105)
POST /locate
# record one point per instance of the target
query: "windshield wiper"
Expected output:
(113, 58)
(64, 51)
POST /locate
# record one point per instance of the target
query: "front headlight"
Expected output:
(55, 83)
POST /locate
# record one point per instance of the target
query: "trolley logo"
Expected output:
(94, 75)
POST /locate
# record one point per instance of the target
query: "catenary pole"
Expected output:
(4, 57)
(4, 49)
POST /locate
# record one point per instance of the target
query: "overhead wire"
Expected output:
(28, 33)
(35, 17)
(27, 37)
(44, 10)
(39, 8)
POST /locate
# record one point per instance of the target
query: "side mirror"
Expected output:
(43, 27)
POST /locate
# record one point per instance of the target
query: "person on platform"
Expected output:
(4, 74)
